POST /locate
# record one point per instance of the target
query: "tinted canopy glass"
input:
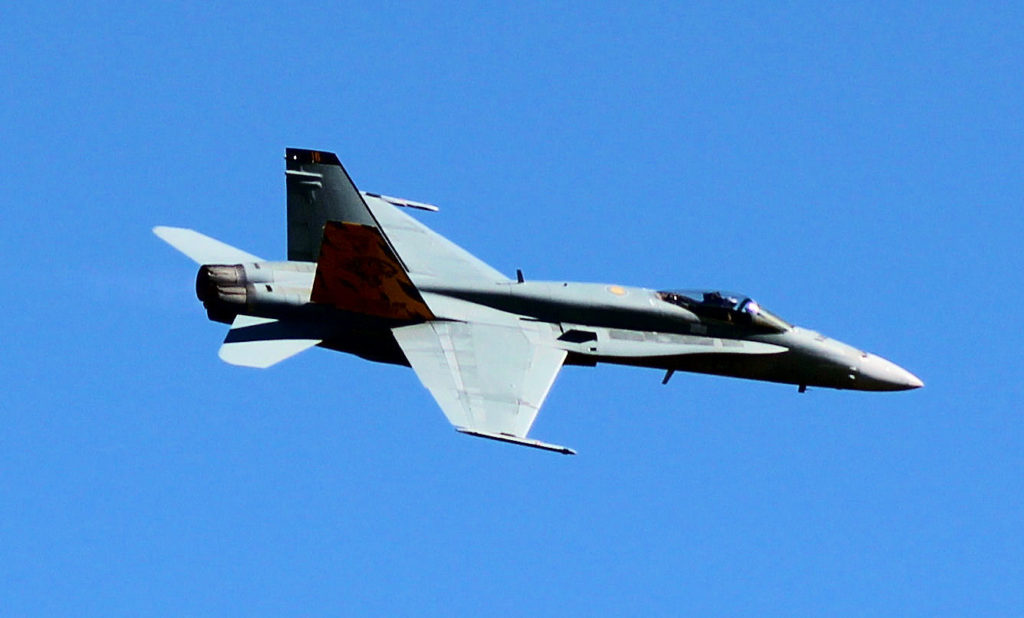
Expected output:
(725, 307)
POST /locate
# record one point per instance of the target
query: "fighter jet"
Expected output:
(364, 277)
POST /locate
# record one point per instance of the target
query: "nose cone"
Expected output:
(878, 374)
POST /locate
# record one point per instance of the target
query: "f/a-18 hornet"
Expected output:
(363, 277)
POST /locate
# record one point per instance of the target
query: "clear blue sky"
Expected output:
(858, 170)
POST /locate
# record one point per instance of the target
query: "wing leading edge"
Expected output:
(489, 380)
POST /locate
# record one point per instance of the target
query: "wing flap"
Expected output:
(489, 380)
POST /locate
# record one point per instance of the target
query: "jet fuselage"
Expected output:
(594, 323)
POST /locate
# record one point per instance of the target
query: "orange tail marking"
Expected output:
(358, 272)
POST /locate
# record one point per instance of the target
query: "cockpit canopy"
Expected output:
(726, 307)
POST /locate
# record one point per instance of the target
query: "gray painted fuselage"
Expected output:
(594, 323)
(633, 326)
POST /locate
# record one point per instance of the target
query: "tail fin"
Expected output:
(202, 249)
(319, 190)
(358, 271)
(329, 223)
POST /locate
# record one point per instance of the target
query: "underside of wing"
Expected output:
(489, 380)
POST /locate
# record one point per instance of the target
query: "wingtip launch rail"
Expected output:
(502, 437)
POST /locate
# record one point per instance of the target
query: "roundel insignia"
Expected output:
(617, 290)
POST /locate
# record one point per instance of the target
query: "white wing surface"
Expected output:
(489, 380)
(202, 249)
(428, 255)
(262, 342)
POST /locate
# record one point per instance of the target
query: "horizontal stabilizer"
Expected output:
(262, 342)
(202, 249)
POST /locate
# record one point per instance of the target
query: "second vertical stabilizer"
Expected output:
(319, 190)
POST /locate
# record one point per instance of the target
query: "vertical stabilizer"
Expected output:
(319, 190)
(359, 272)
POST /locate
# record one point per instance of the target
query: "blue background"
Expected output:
(856, 169)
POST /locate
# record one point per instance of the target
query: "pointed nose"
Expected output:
(878, 374)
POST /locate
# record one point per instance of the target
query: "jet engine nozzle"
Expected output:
(221, 288)
(227, 290)
(211, 277)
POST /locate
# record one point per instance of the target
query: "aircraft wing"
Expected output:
(428, 256)
(489, 380)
